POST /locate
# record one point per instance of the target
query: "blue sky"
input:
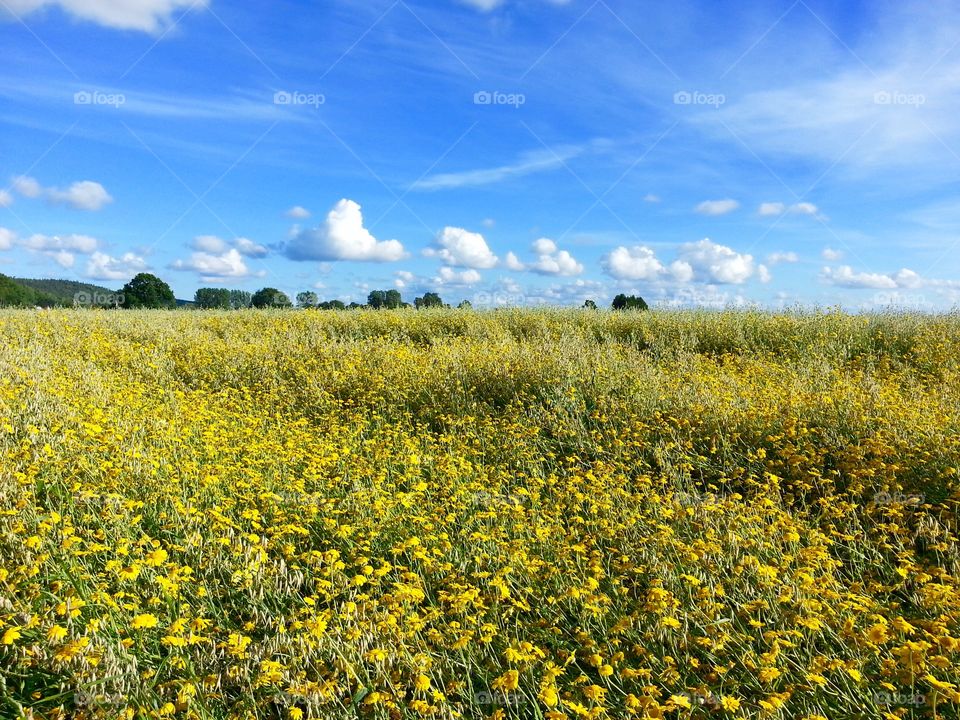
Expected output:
(501, 151)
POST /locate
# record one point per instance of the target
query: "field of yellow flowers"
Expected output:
(455, 514)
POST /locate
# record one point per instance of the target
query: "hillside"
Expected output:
(16, 294)
(67, 291)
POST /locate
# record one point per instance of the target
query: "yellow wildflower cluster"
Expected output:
(450, 514)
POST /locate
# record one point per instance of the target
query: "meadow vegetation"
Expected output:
(448, 513)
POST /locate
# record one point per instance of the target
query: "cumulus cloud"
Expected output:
(764, 274)
(298, 212)
(553, 261)
(512, 262)
(213, 267)
(63, 258)
(718, 263)
(782, 257)
(209, 244)
(6, 199)
(461, 248)
(249, 248)
(636, 263)
(717, 207)
(149, 16)
(342, 236)
(681, 271)
(101, 266)
(831, 254)
(846, 277)
(7, 238)
(26, 186)
(402, 278)
(447, 276)
(769, 209)
(82, 195)
(651, 198)
(83, 244)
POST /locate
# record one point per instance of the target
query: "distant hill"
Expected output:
(69, 291)
(31, 292)
(15, 294)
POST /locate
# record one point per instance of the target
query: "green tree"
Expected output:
(464, 305)
(212, 298)
(240, 299)
(589, 305)
(147, 291)
(269, 297)
(332, 305)
(628, 302)
(428, 300)
(307, 299)
(392, 299)
(377, 299)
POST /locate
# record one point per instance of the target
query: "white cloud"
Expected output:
(6, 199)
(298, 212)
(512, 262)
(146, 15)
(771, 208)
(831, 254)
(488, 223)
(845, 276)
(651, 198)
(249, 248)
(7, 238)
(462, 248)
(209, 244)
(228, 264)
(403, 278)
(682, 271)
(26, 186)
(82, 195)
(527, 163)
(763, 273)
(101, 266)
(450, 277)
(553, 261)
(483, 5)
(343, 237)
(719, 263)
(51, 243)
(804, 208)
(717, 207)
(63, 258)
(636, 263)
(782, 257)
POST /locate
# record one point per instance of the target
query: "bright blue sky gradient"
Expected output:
(693, 152)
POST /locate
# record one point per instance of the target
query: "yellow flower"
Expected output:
(510, 680)
(145, 620)
(548, 696)
(11, 635)
(56, 633)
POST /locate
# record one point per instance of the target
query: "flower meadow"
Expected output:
(500, 514)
